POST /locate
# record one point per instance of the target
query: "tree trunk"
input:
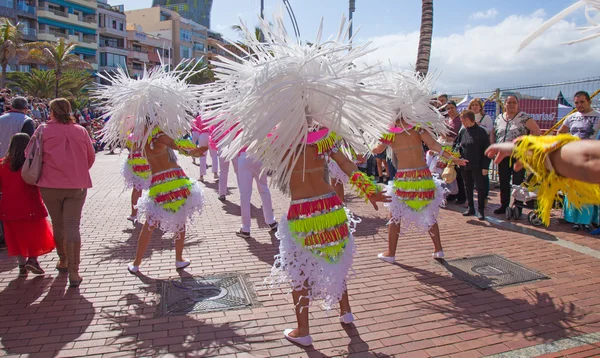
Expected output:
(426, 35)
(58, 75)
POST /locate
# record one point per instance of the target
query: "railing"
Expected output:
(7, 3)
(26, 7)
(57, 12)
(89, 20)
(87, 40)
(28, 31)
(55, 33)
(110, 46)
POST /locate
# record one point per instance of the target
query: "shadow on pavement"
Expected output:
(539, 316)
(265, 252)
(68, 307)
(124, 251)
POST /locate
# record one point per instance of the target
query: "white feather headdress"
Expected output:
(277, 84)
(412, 100)
(161, 98)
(594, 28)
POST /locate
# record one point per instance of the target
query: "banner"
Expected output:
(543, 111)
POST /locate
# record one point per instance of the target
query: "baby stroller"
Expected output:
(524, 198)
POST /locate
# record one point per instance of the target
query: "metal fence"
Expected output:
(546, 103)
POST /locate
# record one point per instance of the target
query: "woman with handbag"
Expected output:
(67, 155)
(22, 211)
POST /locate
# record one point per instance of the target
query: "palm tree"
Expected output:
(57, 55)
(73, 85)
(11, 45)
(424, 51)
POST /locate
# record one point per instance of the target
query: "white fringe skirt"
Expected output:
(136, 171)
(172, 200)
(316, 249)
(416, 199)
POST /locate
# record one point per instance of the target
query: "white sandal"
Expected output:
(303, 341)
(388, 259)
(347, 318)
(438, 255)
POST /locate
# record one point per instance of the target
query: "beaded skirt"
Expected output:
(136, 171)
(416, 199)
(316, 248)
(171, 201)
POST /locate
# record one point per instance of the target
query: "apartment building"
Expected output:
(73, 20)
(146, 49)
(188, 38)
(112, 41)
(195, 10)
(25, 12)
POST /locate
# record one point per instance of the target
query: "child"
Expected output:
(437, 166)
(26, 230)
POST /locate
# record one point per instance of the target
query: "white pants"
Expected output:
(201, 140)
(248, 170)
(224, 174)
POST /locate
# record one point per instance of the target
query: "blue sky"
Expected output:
(475, 42)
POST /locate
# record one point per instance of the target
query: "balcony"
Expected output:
(138, 55)
(7, 3)
(62, 16)
(23, 6)
(51, 36)
(29, 31)
(87, 3)
(111, 31)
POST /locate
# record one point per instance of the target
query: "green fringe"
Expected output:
(417, 205)
(423, 184)
(319, 223)
(169, 186)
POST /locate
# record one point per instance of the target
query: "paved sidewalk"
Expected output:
(413, 308)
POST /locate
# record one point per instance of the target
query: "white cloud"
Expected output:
(489, 14)
(485, 57)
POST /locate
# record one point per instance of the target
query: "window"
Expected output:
(121, 26)
(185, 35)
(137, 48)
(184, 51)
(111, 42)
(199, 47)
(112, 60)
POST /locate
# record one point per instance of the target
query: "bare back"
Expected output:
(408, 147)
(158, 158)
(307, 178)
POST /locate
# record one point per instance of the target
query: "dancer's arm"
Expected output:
(578, 160)
(169, 142)
(365, 186)
(436, 146)
(379, 148)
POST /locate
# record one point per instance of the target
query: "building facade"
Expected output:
(195, 10)
(24, 12)
(112, 41)
(73, 20)
(146, 50)
(188, 39)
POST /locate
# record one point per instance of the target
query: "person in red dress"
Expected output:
(27, 232)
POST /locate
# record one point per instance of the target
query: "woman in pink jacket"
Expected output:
(68, 155)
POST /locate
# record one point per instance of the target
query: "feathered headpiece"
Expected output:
(411, 100)
(135, 107)
(283, 88)
(594, 28)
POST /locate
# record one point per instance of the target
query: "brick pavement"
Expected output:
(414, 308)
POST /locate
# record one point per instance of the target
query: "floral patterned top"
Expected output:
(507, 131)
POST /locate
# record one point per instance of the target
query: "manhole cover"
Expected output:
(491, 271)
(198, 294)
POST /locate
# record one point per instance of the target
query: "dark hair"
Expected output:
(16, 151)
(62, 110)
(584, 94)
(19, 103)
(443, 95)
(452, 103)
(468, 114)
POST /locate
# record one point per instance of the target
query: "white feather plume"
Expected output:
(590, 5)
(412, 100)
(161, 98)
(277, 84)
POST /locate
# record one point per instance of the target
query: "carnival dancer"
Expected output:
(416, 194)
(155, 110)
(136, 172)
(224, 164)
(201, 137)
(303, 95)
(336, 174)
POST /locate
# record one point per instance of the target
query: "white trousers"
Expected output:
(249, 170)
(224, 173)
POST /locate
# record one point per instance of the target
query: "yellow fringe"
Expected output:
(423, 184)
(137, 161)
(533, 151)
(169, 187)
(363, 185)
(320, 222)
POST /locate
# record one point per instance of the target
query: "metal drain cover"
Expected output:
(491, 271)
(199, 294)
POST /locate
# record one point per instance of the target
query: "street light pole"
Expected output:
(351, 9)
(262, 16)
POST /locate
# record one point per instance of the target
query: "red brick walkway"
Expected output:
(413, 308)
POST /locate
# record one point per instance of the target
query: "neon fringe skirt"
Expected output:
(172, 200)
(416, 199)
(336, 173)
(316, 248)
(136, 171)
